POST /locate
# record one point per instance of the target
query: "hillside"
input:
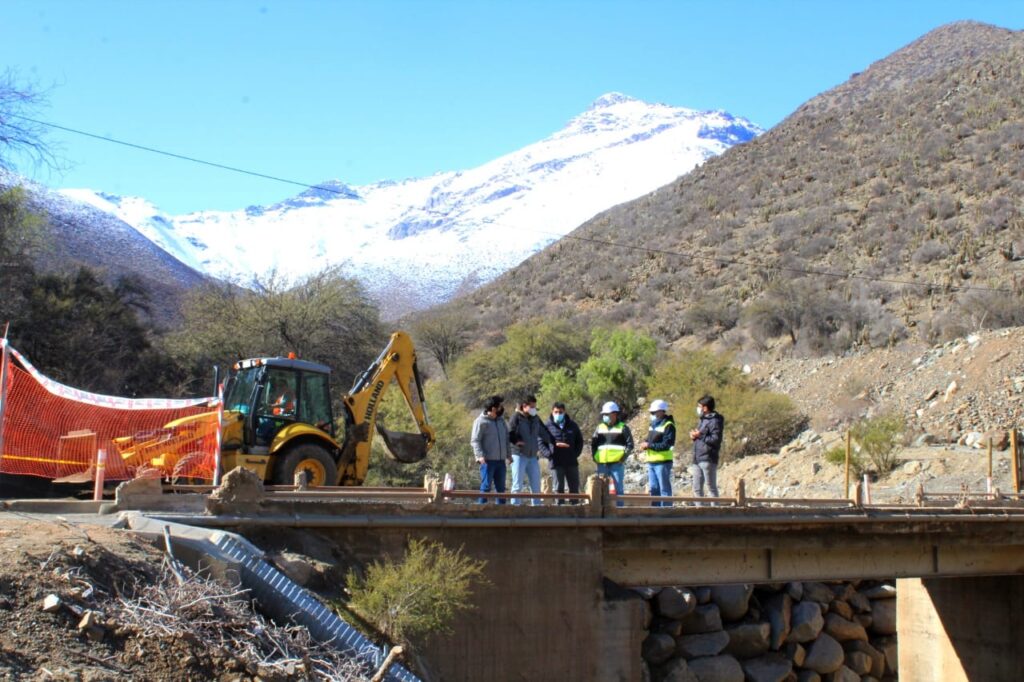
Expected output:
(79, 234)
(419, 241)
(906, 175)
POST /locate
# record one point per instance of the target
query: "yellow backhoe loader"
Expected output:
(278, 421)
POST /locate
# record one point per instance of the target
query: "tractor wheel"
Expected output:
(309, 457)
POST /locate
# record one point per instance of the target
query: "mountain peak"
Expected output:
(610, 99)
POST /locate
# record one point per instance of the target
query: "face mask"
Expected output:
(606, 419)
(532, 411)
(654, 418)
(559, 418)
(700, 412)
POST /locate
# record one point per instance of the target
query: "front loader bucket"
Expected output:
(407, 448)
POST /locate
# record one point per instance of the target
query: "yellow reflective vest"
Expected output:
(655, 456)
(612, 443)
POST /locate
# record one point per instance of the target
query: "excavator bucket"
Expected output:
(407, 448)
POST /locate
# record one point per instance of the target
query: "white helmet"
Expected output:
(659, 405)
(610, 406)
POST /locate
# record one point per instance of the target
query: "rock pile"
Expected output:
(799, 632)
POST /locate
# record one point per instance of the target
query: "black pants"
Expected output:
(570, 474)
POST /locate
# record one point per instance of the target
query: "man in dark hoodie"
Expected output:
(527, 433)
(568, 444)
(707, 442)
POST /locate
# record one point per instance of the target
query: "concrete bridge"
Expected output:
(547, 613)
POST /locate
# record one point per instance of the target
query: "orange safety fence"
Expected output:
(54, 431)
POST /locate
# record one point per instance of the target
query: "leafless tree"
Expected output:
(444, 335)
(21, 133)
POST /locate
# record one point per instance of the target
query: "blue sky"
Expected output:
(364, 91)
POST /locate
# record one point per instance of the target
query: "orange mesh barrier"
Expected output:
(54, 431)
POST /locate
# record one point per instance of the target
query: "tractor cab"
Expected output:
(267, 395)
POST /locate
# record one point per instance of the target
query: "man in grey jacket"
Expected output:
(491, 447)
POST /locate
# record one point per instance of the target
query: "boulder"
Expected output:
(704, 618)
(748, 639)
(864, 619)
(806, 622)
(795, 590)
(796, 653)
(824, 655)
(675, 602)
(972, 439)
(778, 610)
(880, 592)
(51, 603)
(889, 649)
(844, 630)
(818, 592)
(877, 657)
(842, 591)
(666, 626)
(883, 616)
(91, 626)
(646, 592)
(658, 647)
(841, 608)
(808, 676)
(767, 668)
(1000, 439)
(676, 670)
(716, 669)
(859, 602)
(703, 594)
(295, 566)
(732, 600)
(858, 661)
(844, 674)
(708, 644)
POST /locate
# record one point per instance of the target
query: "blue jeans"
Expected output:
(659, 479)
(492, 474)
(616, 471)
(525, 469)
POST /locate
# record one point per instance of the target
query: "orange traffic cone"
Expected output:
(611, 486)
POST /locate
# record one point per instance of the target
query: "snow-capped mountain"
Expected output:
(420, 241)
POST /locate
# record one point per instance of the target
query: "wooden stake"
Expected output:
(382, 672)
(1014, 459)
(741, 493)
(990, 459)
(849, 447)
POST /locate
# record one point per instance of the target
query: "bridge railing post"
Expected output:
(597, 491)
(741, 493)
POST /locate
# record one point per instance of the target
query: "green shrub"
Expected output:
(755, 420)
(419, 595)
(880, 439)
(837, 456)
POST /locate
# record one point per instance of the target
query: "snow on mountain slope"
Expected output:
(420, 241)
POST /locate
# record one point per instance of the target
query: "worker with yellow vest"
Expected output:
(611, 444)
(660, 448)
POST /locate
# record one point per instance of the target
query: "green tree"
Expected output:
(21, 233)
(515, 367)
(85, 333)
(619, 365)
(325, 317)
(419, 595)
(880, 439)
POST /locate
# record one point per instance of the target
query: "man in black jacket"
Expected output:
(564, 455)
(707, 442)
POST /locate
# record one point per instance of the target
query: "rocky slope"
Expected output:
(865, 217)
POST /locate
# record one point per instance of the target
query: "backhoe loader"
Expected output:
(278, 421)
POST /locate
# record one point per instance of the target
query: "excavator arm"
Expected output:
(396, 362)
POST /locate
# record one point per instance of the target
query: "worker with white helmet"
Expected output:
(660, 450)
(611, 444)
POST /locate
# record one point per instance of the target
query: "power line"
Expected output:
(647, 249)
(182, 157)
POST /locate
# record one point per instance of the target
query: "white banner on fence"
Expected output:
(111, 401)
